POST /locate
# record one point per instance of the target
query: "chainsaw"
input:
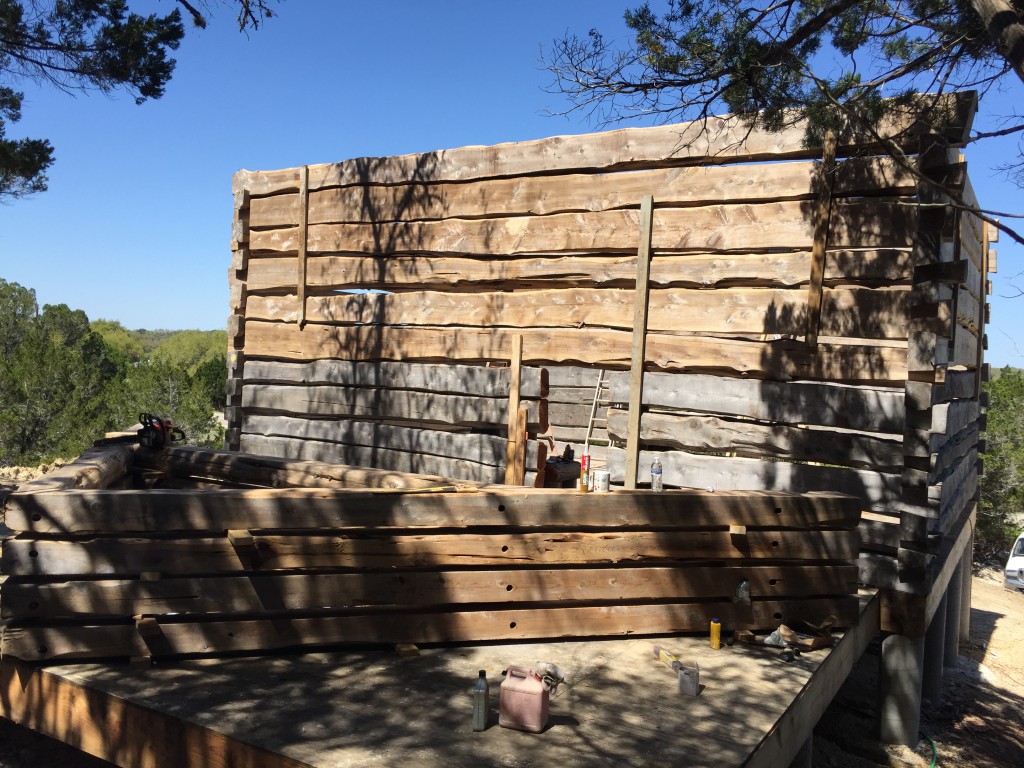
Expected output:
(157, 432)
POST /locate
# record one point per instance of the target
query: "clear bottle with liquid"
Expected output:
(481, 701)
(656, 476)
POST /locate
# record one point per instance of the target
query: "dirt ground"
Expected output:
(978, 724)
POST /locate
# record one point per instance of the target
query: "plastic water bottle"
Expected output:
(656, 481)
(481, 701)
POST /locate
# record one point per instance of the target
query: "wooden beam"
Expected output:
(513, 438)
(639, 341)
(295, 509)
(303, 242)
(94, 468)
(822, 214)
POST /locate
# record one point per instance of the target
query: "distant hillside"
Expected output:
(184, 349)
(1004, 371)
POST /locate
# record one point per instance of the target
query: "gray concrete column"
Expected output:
(967, 571)
(804, 758)
(934, 651)
(901, 670)
(951, 652)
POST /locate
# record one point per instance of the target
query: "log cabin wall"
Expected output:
(812, 324)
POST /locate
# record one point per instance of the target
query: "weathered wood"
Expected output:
(457, 379)
(782, 359)
(514, 442)
(303, 246)
(701, 433)
(576, 193)
(264, 592)
(957, 385)
(95, 468)
(360, 402)
(378, 457)
(275, 472)
(858, 312)
(697, 270)
(216, 555)
(824, 179)
(695, 143)
(868, 410)
(638, 344)
(479, 448)
(37, 643)
(85, 512)
(879, 491)
(874, 224)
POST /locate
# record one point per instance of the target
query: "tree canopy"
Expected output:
(86, 45)
(777, 63)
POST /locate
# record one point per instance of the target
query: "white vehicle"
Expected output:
(1013, 574)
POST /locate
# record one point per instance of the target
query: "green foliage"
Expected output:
(64, 381)
(86, 45)
(1002, 484)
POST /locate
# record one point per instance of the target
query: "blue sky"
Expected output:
(136, 223)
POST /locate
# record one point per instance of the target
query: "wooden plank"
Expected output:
(780, 359)
(576, 193)
(513, 438)
(879, 491)
(852, 312)
(263, 592)
(874, 224)
(87, 512)
(275, 552)
(121, 731)
(626, 148)
(703, 433)
(181, 461)
(38, 643)
(457, 379)
(699, 270)
(94, 468)
(519, 475)
(822, 215)
(561, 376)
(378, 457)
(479, 448)
(956, 385)
(303, 246)
(359, 402)
(868, 410)
(638, 345)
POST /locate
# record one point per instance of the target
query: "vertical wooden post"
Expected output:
(512, 446)
(822, 216)
(300, 288)
(638, 356)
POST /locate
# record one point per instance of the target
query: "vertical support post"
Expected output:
(515, 383)
(639, 351)
(822, 216)
(951, 647)
(967, 572)
(300, 286)
(934, 650)
(901, 669)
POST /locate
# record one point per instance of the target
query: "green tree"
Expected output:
(834, 64)
(1002, 484)
(126, 343)
(191, 349)
(85, 45)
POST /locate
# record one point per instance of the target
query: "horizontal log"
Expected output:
(482, 449)
(783, 359)
(94, 468)
(274, 471)
(338, 272)
(867, 410)
(577, 435)
(702, 434)
(717, 140)
(68, 642)
(156, 510)
(459, 470)
(878, 491)
(879, 533)
(856, 313)
(956, 385)
(272, 552)
(411, 405)
(458, 379)
(587, 378)
(268, 592)
(577, 193)
(872, 224)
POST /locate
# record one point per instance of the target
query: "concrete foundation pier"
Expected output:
(966, 571)
(951, 652)
(901, 670)
(934, 652)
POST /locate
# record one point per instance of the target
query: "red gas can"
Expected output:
(523, 701)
